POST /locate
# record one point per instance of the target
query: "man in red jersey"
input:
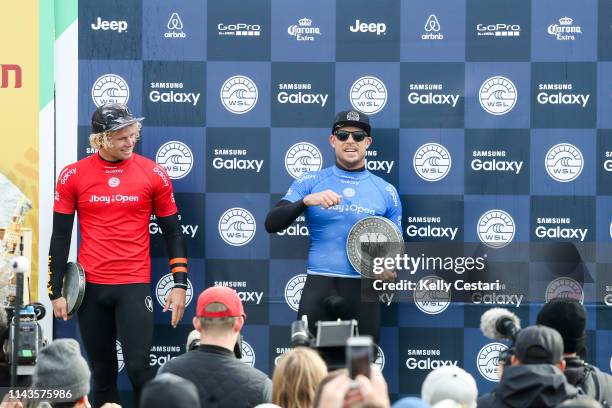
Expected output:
(115, 191)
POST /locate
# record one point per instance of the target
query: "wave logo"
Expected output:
(248, 354)
(149, 303)
(497, 95)
(237, 226)
(368, 95)
(176, 158)
(564, 288)
(301, 158)
(564, 162)
(432, 162)
(496, 228)
(164, 287)
(113, 182)
(293, 291)
(487, 360)
(380, 359)
(120, 360)
(239, 94)
(432, 301)
(110, 88)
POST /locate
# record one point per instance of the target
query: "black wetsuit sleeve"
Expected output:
(283, 214)
(175, 245)
(59, 249)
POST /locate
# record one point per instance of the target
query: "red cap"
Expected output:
(220, 294)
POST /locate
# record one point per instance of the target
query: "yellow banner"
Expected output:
(19, 107)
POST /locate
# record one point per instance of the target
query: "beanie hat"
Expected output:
(410, 402)
(169, 390)
(450, 382)
(61, 365)
(568, 317)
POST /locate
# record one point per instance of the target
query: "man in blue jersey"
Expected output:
(333, 200)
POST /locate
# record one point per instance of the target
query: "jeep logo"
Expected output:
(378, 28)
(118, 26)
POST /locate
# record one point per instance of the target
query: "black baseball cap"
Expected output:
(539, 345)
(352, 118)
(112, 117)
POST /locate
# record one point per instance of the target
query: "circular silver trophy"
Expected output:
(74, 286)
(369, 238)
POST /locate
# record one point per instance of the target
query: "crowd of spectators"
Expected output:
(546, 369)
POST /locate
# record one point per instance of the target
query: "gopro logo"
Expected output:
(378, 28)
(118, 26)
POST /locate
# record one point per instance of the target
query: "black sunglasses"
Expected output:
(358, 136)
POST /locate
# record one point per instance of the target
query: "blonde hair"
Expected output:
(296, 378)
(102, 140)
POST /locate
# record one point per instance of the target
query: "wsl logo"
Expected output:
(488, 360)
(239, 94)
(497, 95)
(248, 354)
(237, 226)
(496, 228)
(432, 301)
(352, 115)
(564, 162)
(293, 291)
(176, 158)
(432, 29)
(301, 158)
(120, 360)
(110, 88)
(368, 95)
(564, 288)
(113, 182)
(348, 192)
(380, 359)
(432, 162)
(175, 27)
(164, 287)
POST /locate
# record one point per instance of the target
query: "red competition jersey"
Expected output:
(114, 202)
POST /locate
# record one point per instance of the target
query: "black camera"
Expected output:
(330, 341)
(22, 346)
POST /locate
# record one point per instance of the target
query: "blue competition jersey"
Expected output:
(363, 195)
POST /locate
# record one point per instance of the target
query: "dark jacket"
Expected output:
(222, 380)
(592, 381)
(530, 385)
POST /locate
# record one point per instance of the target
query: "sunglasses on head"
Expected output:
(343, 135)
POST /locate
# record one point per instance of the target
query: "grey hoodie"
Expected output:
(530, 385)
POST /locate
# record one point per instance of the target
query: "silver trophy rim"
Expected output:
(399, 236)
(73, 301)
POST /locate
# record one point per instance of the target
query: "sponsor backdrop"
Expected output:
(492, 118)
(21, 102)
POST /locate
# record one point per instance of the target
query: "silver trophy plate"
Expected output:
(372, 231)
(74, 286)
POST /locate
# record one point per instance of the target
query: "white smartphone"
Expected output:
(359, 355)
